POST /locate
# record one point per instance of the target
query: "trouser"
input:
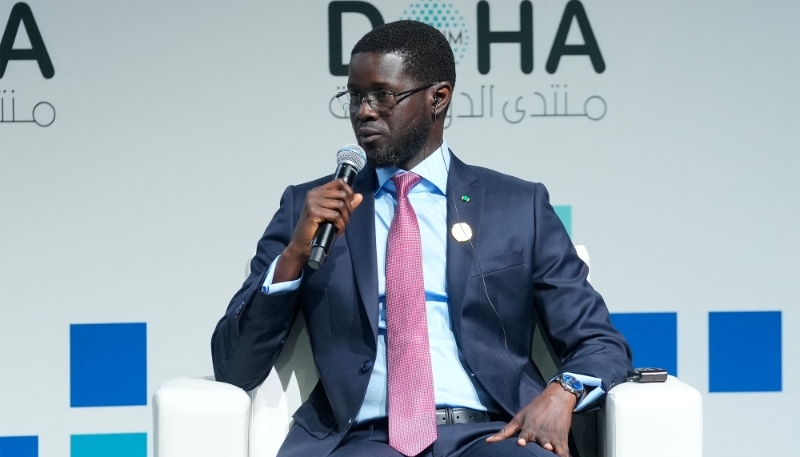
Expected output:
(454, 440)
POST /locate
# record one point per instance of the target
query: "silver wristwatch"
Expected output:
(571, 384)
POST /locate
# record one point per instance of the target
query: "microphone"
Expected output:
(350, 159)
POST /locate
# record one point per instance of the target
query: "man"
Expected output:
(421, 317)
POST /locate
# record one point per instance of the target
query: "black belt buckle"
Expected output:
(446, 416)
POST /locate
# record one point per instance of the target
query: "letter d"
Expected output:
(335, 11)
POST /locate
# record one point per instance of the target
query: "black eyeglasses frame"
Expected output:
(370, 99)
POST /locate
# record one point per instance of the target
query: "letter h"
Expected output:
(524, 37)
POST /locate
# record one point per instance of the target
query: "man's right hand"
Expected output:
(333, 202)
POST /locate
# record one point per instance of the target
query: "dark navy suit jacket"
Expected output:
(530, 268)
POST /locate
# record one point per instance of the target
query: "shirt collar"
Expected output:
(433, 170)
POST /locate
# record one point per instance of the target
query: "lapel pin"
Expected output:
(461, 232)
(465, 198)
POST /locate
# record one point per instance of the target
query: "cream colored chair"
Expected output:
(203, 418)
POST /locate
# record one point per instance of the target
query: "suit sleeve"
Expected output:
(573, 314)
(249, 337)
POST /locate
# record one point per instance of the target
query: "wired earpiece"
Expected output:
(472, 252)
(469, 249)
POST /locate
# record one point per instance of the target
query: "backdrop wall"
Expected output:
(138, 170)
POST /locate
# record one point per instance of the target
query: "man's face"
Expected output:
(395, 137)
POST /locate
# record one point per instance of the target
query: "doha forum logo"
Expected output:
(474, 36)
(447, 19)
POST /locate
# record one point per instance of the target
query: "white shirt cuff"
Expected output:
(281, 287)
(590, 396)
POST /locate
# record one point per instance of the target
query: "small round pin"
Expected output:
(465, 198)
(461, 231)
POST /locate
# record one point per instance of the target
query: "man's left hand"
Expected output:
(546, 420)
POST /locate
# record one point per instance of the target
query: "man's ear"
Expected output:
(441, 98)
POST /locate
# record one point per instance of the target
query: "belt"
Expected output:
(444, 416)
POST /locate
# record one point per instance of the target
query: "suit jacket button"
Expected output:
(366, 366)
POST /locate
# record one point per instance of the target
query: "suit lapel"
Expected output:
(360, 236)
(460, 264)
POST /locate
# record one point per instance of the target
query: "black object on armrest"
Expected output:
(647, 375)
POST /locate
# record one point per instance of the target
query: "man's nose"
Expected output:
(365, 110)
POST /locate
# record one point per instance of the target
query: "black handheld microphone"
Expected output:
(350, 160)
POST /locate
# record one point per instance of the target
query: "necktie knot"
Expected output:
(404, 181)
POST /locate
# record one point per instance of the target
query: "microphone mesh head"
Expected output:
(352, 154)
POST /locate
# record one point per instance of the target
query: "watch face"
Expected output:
(572, 382)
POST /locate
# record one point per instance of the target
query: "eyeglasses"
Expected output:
(379, 100)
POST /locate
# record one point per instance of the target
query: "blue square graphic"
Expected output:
(109, 445)
(653, 338)
(744, 351)
(19, 446)
(108, 364)
(564, 212)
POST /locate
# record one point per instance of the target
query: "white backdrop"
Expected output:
(180, 123)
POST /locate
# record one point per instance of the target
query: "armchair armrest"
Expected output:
(652, 419)
(200, 418)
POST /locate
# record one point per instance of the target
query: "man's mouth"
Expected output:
(368, 136)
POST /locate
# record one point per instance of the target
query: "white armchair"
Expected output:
(199, 417)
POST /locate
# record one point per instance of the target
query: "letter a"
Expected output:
(574, 9)
(20, 13)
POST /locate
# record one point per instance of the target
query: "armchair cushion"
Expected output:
(201, 417)
(653, 419)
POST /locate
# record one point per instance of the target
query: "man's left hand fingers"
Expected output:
(562, 450)
(531, 433)
(527, 435)
(553, 442)
(550, 441)
(504, 432)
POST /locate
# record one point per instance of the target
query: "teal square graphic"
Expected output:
(564, 212)
(109, 445)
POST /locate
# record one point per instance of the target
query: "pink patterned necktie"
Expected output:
(412, 408)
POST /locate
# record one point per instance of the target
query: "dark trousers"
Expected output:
(455, 440)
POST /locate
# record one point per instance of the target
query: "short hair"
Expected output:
(427, 56)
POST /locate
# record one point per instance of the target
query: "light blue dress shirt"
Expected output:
(454, 385)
